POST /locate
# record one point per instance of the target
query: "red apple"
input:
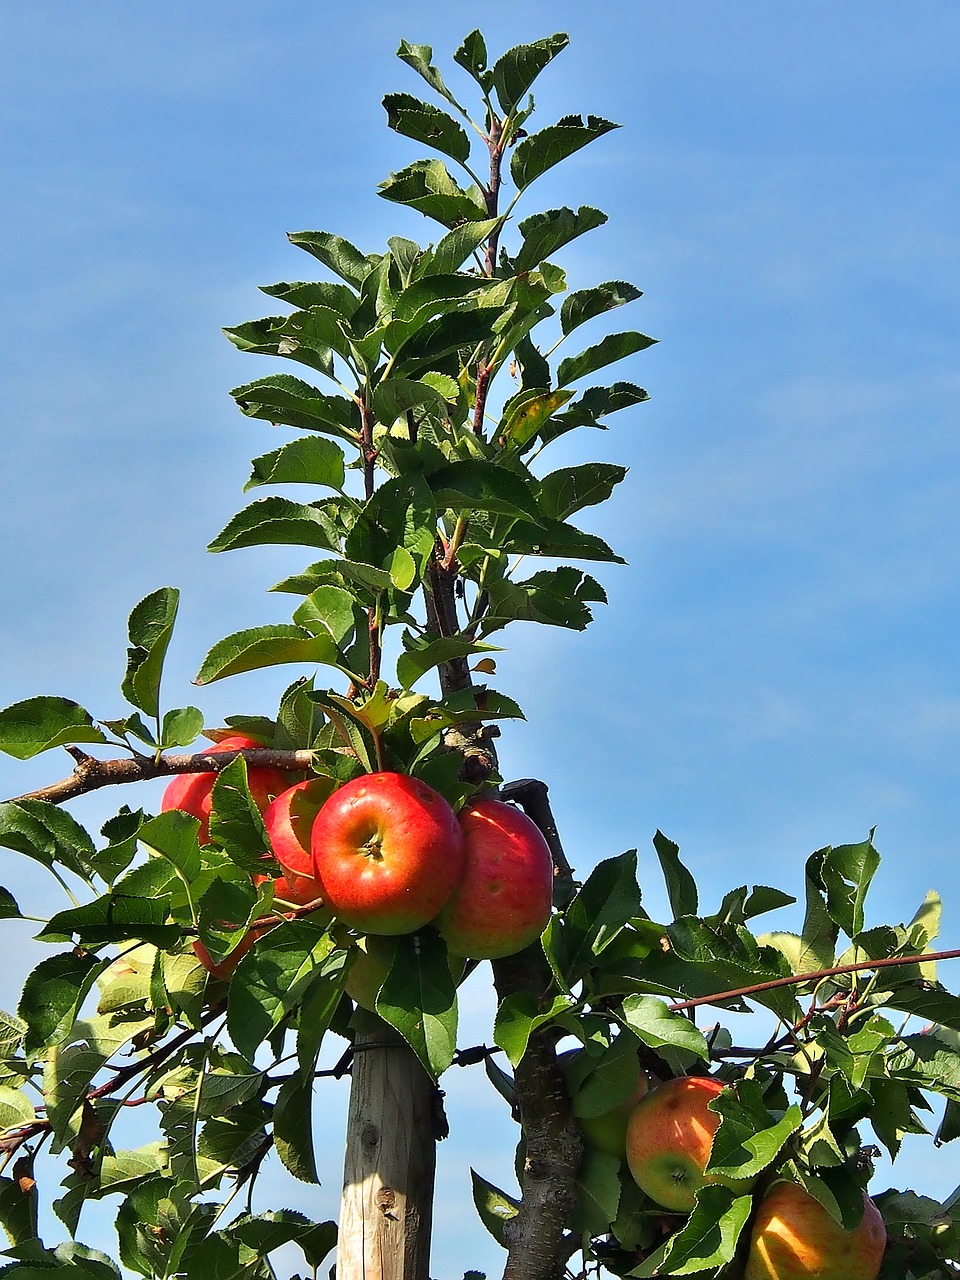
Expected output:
(193, 792)
(289, 820)
(795, 1238)
(388, 851)
(503, 901)
(296, 890)
(669, 1137)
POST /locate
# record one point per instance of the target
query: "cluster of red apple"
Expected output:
(666, 1135)
(386, 854)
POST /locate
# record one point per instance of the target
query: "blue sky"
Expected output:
(777, 670)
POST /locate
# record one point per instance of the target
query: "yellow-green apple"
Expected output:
(503, 901)
(289, 820)
(193, 792)
(669, 1138)
(372, 963)
(388, 852)
(795, 1238)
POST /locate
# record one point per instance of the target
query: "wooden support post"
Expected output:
(387, 1207)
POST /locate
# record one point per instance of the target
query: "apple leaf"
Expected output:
(343, 258)
(681, 886)
(236, 824)
(614, 1077)
(708, 1238)
(453, 249)
(150, 628)
(272, 978)
(544, 233)
(423, 655)
(598, 1192)
(583, 304)
(748, 1138)
(419, 999)
(564, 492)
(515, 71)
(279, 521)
(266, 647)
(651, 1020)
(39, 724)
(293, 1128)
(428, 124)
(310, 460)
(494, 1206)
(52, 994)
(541, 151)
(519, 1015)
(602, 906)
(48, 834)
(616, 346)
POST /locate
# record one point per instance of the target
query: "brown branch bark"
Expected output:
(91, 774)
(889, 962)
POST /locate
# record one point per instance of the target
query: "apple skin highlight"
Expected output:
(795, 1238)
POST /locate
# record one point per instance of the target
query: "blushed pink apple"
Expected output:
(669, 1139)
(503, 901)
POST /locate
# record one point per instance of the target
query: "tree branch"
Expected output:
(91, 774)
(891, 962)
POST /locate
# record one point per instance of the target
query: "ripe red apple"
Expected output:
(388, 852)
(503, 901)
(795, 1238)
(289, 820)
(297, 891)
(669, 1137)
(193, 792)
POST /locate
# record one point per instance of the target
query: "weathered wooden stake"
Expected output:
(387, 1206)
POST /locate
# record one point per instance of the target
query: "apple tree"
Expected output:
(190, 979)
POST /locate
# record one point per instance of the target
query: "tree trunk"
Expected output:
(386, 1211)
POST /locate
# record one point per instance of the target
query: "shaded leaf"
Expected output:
(681, 886)
(544, 233)
(282, 398)
(541, 151)
(428, 124)
(343, 258)
(564, 492)
(584, 304)
(515, 71)
(423, 655)
(38, 724)
(616, 346)
(494, 1206)
(279, 521)
(419, 998)
(271, 979)
(429, 187)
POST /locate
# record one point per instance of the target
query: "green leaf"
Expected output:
(429, 187)
(616, 346)
(329, 611)
(48, 834)
(320, 1001)
(311, 460)
(598, 1193)
(749, 1138)
(352, 729)
(38, 724)
(555, 538)
(474, 485)
(472, 56)
(115, 917)
(650, 1019)
(279, 521)
(932, 1005)
(173, 836)
(928, 917)
(554, 597)
(395, 397)
(519, 1015)
(428, 124)
(419, 999)
(846, 872)
(401, 512)
(681, 886)
(284, 399)
(423, 655)
(343, 258)
(150, 628)
(339, 573)
(516, 70)
(564, 492)
(181, 725)
(266, 647)
(18, 1211)
(544, 233)
(540, 152)
(420, 58)
(52, 994)
(236, 824)
(584, 304)
(293, 1128)
(453, 249)
(707, 1239)
(603, 905)
(271, 979)
(494, 1206)
(612, 1080)
(8, 905)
